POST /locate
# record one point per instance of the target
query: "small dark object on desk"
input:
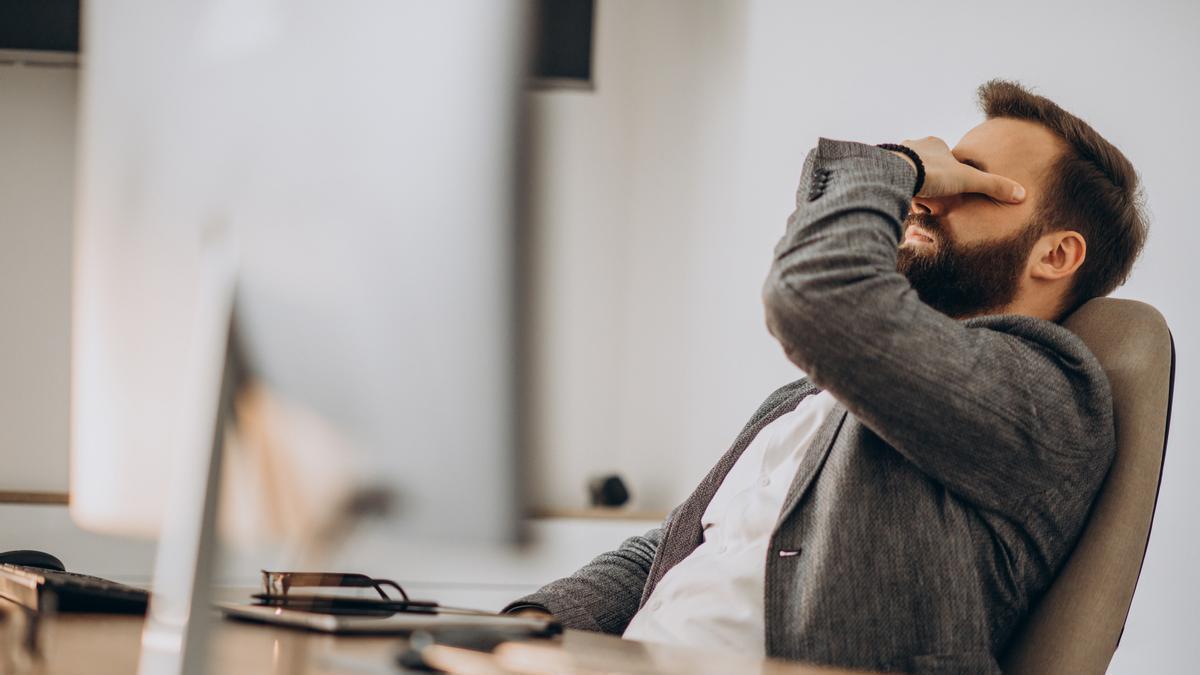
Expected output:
(608, 491)
(29, 558)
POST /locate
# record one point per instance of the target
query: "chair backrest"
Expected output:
(1076, 625)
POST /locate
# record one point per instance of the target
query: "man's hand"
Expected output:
(946, 176)
(531, 613)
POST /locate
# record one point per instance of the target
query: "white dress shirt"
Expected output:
(713, 599)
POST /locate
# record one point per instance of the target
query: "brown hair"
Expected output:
(1092, 189)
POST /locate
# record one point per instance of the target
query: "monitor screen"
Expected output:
(371, 200)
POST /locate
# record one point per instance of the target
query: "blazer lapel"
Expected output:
(684, 532)
(814, 459)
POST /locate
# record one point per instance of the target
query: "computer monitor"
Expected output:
(362, 155)
(342, 174)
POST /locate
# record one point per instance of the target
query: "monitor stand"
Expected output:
(180, 615)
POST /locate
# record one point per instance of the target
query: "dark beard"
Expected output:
(965, 280)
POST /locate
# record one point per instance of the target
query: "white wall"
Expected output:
(37, 151)
(665, 189)
(37, 173)
(641, 288)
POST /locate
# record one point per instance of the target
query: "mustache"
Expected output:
(925, 222)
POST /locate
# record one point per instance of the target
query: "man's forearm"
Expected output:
(836, 263)
(604, 595)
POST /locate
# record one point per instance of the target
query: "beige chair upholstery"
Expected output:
(1076, 625)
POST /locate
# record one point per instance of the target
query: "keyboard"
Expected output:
(41, 589)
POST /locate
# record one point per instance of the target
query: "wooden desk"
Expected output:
(97, 644)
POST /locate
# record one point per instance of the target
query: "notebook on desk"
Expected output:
(400, 623)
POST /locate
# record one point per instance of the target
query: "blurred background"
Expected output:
(661, 180)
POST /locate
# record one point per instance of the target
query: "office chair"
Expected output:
(1075, 627)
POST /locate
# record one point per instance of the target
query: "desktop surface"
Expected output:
(99, 644)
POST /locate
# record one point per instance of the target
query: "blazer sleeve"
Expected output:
(995, 409)
(603, 595)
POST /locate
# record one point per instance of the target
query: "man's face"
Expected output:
(968, 254)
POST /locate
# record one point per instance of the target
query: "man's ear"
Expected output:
(1057, 255)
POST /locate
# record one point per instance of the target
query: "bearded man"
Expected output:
(904, 505)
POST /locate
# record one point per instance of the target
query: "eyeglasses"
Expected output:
(277, 587)
(279, 583)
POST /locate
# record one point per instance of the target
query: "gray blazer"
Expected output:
(941, 494)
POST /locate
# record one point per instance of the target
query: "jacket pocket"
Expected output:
(959, 663)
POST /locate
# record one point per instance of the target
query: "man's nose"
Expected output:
(933, 206)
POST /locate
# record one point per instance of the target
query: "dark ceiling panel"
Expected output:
(50, 25)
(563, 42)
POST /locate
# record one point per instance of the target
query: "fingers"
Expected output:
(928, 143)
(997, 187)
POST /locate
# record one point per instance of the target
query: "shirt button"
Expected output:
(656, 605)
(764, 481)
(722, 548)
